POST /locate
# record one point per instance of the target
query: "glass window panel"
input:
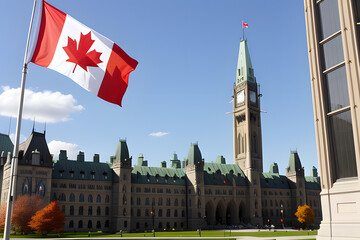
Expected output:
(356, 5)
(342, 142)
(329, 18)
(333, 52)
(337, 89)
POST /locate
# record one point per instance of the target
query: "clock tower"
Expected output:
(247, 129)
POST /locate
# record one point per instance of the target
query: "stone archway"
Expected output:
(231, 213)
(242, 218)
(209, 213)
(220, 215)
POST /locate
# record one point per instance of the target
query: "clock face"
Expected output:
(253, 96)
(240, 96)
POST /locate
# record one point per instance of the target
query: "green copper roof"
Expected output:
(312, 183)
(244, 71)
(194, 156)
(274, 169)
(157, 175)
(274, 180)
(68, 169)
(217, 173)
(122, 150)
(6, 144)
(294, 161)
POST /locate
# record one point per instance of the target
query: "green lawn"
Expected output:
(175, 234)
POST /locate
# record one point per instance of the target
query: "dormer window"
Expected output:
(105, 175)
(157, 177)
(61, 172)
(92, 175)
(82, 174)
(71, 173)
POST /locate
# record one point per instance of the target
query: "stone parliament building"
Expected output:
(190, 194)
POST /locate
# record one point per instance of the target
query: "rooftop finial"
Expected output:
(33, 130)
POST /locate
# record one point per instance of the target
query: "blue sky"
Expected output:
(187, 53)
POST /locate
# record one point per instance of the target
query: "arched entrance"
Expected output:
(220, 214)
(242, 212)
(209, 213)
(230, 214)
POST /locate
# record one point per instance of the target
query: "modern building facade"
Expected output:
(333, 28)
(190, 194)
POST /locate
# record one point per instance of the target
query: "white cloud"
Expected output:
(71, 148)
(158, 134)
(45, 106)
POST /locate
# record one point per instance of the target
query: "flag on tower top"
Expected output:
(78, 52)
(245, 25)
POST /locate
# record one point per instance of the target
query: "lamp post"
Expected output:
(282, 215)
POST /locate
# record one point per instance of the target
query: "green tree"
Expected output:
(305, 215)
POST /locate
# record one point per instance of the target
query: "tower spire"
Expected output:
(244, 71)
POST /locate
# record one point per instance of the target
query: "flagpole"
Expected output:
(243, 30)
(14, 162)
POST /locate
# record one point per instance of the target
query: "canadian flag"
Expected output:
(90, 59)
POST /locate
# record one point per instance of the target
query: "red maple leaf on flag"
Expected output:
(80, 55)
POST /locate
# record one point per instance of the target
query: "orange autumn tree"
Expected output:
(2, 216)
(305, 215)
(24, 208)
(48, 219)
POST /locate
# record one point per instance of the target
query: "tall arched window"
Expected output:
(124, 199)
(90, 198)
(98, 211)
(107, 211)
(26, 189)
(71, 224)
(89, 224)
(81, 210)
(124, 189)
(80, 224)
(98, 198)
(41, 189)
(81, 197)
(107, 199)
(72, 197)
(90, 211)
(71, 210)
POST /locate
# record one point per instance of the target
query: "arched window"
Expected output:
(98, 224)
(90, 198)
(160, 202)
(41, 189)
(54, 197)
(175, 225)
(81, 210)
(183, 202)
(72, 197)
(107, 199)
(137, 225)
(168, 225)
(80, 224)
(160, 213)
(124, 212)
(106, 211)
(98, 198)
(71, 210)
(124, 200)
(146, 212)
(106, 223)
(175, 213)
(63, 197)
(168, 212)
(160, 225)
(98, 211)
(183, 213)
(176, 203)
(199, 203)
(138, 213)
(26, 189)
(89, 224)
(81, 197)
(124, 189)
(147, 201)
(90, 211)
(71, 224)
